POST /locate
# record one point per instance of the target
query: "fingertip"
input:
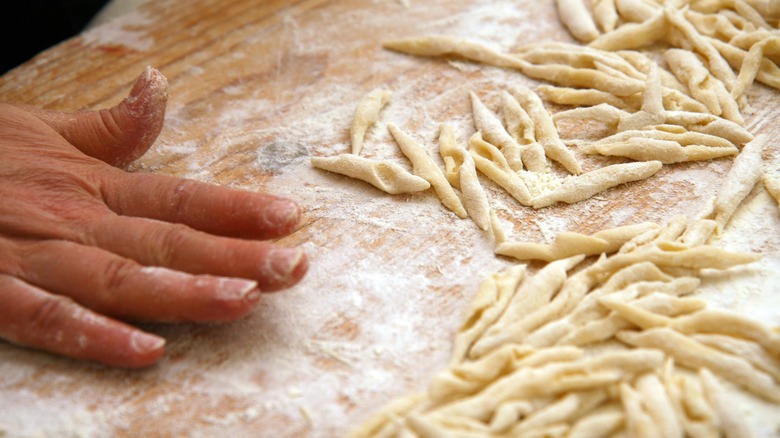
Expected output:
(282, 268)
(145, 350)
(235, 298)
(149, 93)
(282, 215)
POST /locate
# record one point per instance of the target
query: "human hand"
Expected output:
(82, 242)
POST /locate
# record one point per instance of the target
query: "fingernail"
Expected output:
(282, 213)
(235, 289)
(282, 262)
(146, 343)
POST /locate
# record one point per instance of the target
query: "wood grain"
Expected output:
(257, 87)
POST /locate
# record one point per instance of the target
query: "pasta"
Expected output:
(741, 179)
(492, 131)
(546, 133)
(489, 160)
(366, 114)
(581, 187)
(462, 173)
(428, 170)
(575, 16)
(385, 176)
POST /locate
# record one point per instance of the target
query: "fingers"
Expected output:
(34, 318)
(120, 134)
(181, 248)
(119, 287)
(205, 207)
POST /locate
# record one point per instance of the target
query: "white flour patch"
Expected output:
(126, 30)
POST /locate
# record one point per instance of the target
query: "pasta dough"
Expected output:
(366, 114)
(383, 175)
(581, 187)
(492, 131)
(490, 161)
(741, 179)
(617, 348)
(428, 170)
(569, 244)
(462, 173)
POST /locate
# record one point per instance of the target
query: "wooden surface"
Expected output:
(257, 87)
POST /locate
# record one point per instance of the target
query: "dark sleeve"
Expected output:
(27, 27)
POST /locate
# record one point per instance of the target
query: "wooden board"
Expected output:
(257, 87)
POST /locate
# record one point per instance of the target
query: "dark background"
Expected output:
(27, 27)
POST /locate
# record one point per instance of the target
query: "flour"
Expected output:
(126, 31)
(390, 275)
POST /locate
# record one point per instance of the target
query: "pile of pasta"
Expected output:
(620, 345)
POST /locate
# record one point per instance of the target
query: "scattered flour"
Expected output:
(390, 276)
(126, 30)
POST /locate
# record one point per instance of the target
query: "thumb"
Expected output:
(121, 134)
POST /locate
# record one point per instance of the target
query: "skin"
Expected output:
(85, 245)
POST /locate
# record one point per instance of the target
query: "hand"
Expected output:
(82, 242)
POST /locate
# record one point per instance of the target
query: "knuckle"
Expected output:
(116, 272)
(171, 239)
(51, 312)
(180, 196)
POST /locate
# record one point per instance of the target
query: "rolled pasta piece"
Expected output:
(580, 97)
(638, 423)
(564, 410)
(566, 244)
(521, 127)
(602, 423)
(751, 351)
(493, 132)
(366, 114)
(604, 112)
(489, 160)
(534, 293)
(605, 14)
(467, 377)
(575, 16)
(703, 86)
(593, 372)
(442, 45)
(665, 151)
(581, 187)
(636, 10)
(675, 133)
(709, 124)
(732, 421)
(725, 323)
(752, 64)
(425, 167)
(546, 133)
(518, 123)
(742, 177)
(692, 354)
(462, 173)
(667, 254)
(569, 244)
(634, 35)
(772, 185)
(768, 72)
(493, 296)
(568, 76)
(692, 407)
(385, 176)
(716, 64)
